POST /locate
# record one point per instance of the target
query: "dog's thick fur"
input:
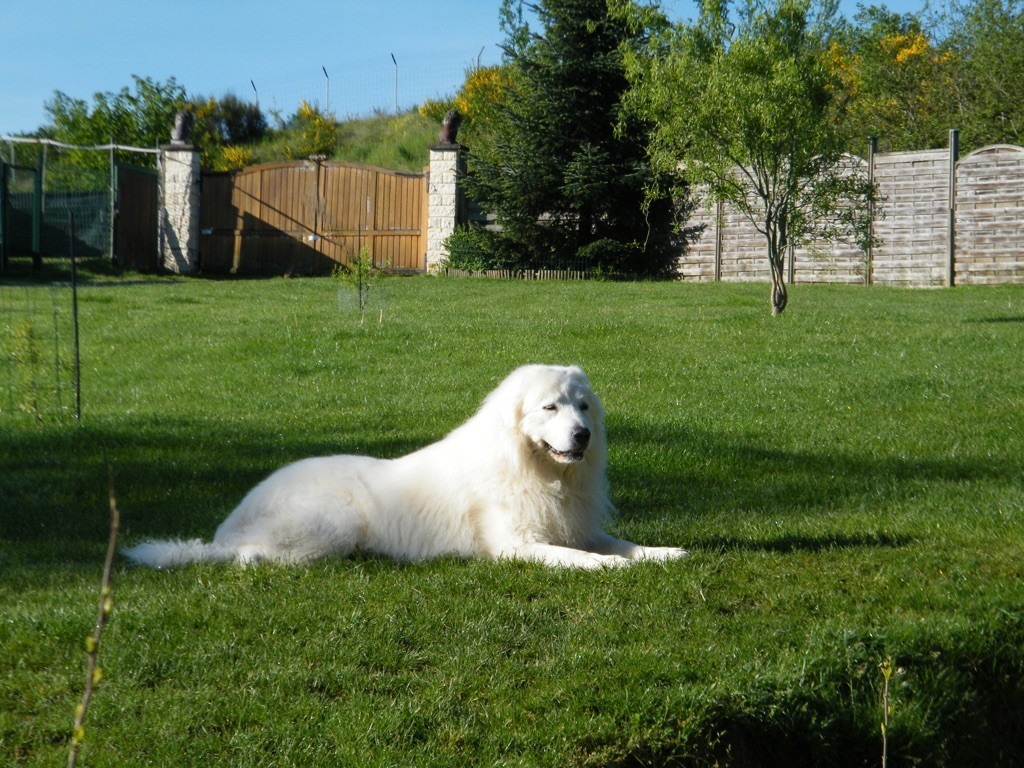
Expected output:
(524, 478)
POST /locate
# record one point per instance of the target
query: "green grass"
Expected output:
(398, 142)
(849, 477)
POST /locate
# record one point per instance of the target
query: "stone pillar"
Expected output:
(444, 201)
(179, 209)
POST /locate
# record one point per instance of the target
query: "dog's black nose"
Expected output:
(581, 436)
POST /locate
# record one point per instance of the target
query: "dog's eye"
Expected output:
(584, 406)
(550, 407)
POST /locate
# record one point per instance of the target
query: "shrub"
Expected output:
(230, 158)
(610, 255)
(240, 122)
(314, 133)
(474, 248)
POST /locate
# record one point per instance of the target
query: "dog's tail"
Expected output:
(173, 553)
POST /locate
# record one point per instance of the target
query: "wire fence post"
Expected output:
(5, 235)
(396, 81)
(74, 315)
(37, 219)
(113, 195)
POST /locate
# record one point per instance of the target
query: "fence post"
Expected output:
(179, 208)
(37, 218)
(954, 156)
(719, 222)
(4, 227)
(870, 255)
(444, 201)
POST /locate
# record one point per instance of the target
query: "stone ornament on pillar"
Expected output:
(449, 127)
(181, 133)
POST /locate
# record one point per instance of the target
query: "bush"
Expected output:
(474, 248)
(228, 158)
(312, 133)
(611, 256)
(240, 122)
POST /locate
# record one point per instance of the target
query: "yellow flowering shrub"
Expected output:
(485, 87)
(905, 47)
(233, 158)
(482, 91)
(315, 133)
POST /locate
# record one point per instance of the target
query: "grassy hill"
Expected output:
(397, 142)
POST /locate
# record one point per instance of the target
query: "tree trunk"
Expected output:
(779, 294)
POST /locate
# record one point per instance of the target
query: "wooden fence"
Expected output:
(136, 227)
(941, 221)
(308, 217)
(935, 227)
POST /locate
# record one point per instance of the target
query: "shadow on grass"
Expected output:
(57, 269)
(180, 478)
(658, 470)
(1012, 319)
(172, 478)
(790, 544)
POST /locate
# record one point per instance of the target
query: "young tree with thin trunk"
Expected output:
(746, 104)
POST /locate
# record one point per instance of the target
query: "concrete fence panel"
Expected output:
(914, 221)
(939, 221)
(990, 216)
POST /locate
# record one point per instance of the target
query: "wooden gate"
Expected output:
(136, 227)
(307, 217)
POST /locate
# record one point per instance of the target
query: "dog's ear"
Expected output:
(595, 401)
(512, 411)
(506, 401)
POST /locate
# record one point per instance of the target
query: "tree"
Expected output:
(983, 55)
(910, 78)
(225, 129)
(141, 117)
(749, 106)
(564, 172)
(892, 72)
(239, 121)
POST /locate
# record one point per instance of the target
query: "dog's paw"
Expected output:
(660, 554)
(594, 561)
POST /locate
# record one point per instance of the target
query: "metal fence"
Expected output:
(38, 353)
(46, 183)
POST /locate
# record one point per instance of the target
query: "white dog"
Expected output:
(524, 478)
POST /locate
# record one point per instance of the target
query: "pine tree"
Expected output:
(566, 175)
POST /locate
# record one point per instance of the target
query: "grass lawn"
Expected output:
(849, 478)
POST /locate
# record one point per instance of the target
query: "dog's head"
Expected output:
(554, 410)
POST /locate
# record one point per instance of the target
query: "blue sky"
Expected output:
(214, 47)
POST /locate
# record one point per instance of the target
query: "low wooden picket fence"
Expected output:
(523, 274)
